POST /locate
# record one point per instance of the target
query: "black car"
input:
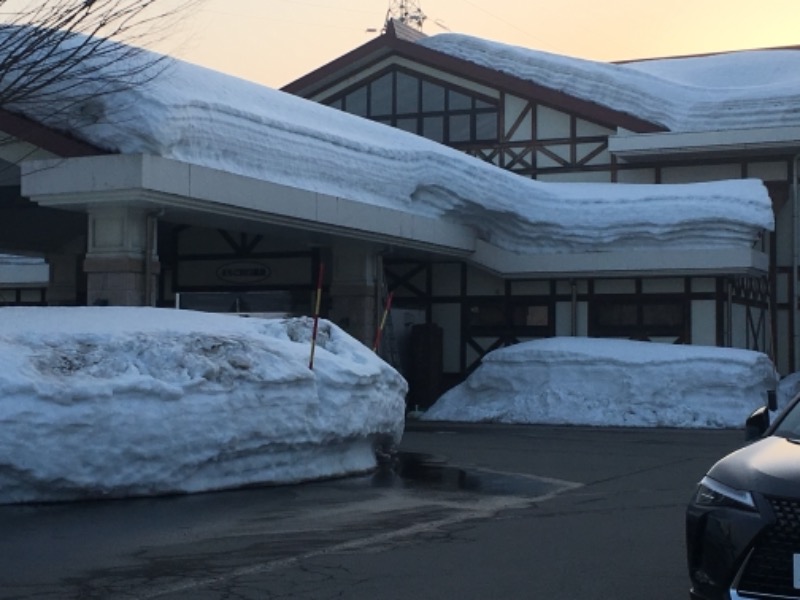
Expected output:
(743, 523)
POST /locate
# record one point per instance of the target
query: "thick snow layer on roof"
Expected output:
(98, 402)
(587, 381)
(204, 117)
(738, 90)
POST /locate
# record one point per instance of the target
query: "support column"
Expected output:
(353, 290)
(121, 263)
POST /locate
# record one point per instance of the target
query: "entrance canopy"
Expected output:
(194, 194)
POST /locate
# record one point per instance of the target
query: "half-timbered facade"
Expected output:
(144, 229)
(548, 135)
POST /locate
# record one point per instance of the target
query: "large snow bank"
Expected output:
(203, 117)
(99, 402)
(737, 90)
(589, 381)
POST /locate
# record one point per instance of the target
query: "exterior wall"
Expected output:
(479, 312)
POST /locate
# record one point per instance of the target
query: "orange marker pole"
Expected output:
(379, 333)
(316, 316)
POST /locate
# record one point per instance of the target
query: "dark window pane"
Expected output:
(670, 315)
(433, 128)
(336, 104)
(408, 125)
(487, 316)
(486, 126)
(459, 101)
(531, 316)
(407, 94)
(356, 102)
(482, 104)
(432, 97)
(616, 315)
(380, 102)
(460, 128)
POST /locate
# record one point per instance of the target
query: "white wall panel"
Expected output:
(552, 124)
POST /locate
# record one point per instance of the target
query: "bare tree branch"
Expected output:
(74, 51)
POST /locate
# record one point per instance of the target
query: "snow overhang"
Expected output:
(646, 146)
(623, 263)
(184, 192)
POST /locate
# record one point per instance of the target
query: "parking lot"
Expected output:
(467, 511)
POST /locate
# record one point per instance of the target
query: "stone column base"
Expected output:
(118, 281)
(353, 309)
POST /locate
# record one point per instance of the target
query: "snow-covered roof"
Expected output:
(199, 116)
(737, 90)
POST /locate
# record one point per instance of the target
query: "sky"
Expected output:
(109, 402)
(275, 42)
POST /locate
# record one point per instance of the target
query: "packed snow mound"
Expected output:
(738, 90)
(112, 402)
(198, 116)
(590, 381)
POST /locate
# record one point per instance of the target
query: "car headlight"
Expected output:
(711, 492)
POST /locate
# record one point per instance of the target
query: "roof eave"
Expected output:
(41, 136)
(681, 145)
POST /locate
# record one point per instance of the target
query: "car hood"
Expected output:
(770, 466)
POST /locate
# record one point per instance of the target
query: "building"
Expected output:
(227, 196)
(553, 118)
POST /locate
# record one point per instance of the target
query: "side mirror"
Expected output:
(756, 424)
(772, 400)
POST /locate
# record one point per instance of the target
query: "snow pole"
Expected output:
(379, 333)
(316, 316)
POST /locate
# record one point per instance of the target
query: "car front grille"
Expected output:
(769, 571)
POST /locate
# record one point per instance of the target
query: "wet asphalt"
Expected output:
(462, 511)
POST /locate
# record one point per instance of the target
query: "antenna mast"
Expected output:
(407, 12)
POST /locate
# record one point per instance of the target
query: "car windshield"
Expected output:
(789, 426)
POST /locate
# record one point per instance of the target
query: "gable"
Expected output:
(374, 55)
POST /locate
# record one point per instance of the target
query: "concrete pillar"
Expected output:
(353, 289)
(121, 262)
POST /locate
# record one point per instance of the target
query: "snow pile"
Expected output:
(202, 117)
(111, 402)
(589, 381)
(738, 90)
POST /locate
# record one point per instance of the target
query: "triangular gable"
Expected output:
(391, 43)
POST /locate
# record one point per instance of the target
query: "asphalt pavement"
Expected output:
(465, 511)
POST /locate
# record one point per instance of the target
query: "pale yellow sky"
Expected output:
(276, 41)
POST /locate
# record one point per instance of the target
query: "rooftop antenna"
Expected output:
(407, 12)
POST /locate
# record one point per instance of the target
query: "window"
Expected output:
(426, 107)
(638, 318)
(515, 316)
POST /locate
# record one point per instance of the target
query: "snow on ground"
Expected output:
(590, 381)
(737, 90)
(109, 402)
(203, 117)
